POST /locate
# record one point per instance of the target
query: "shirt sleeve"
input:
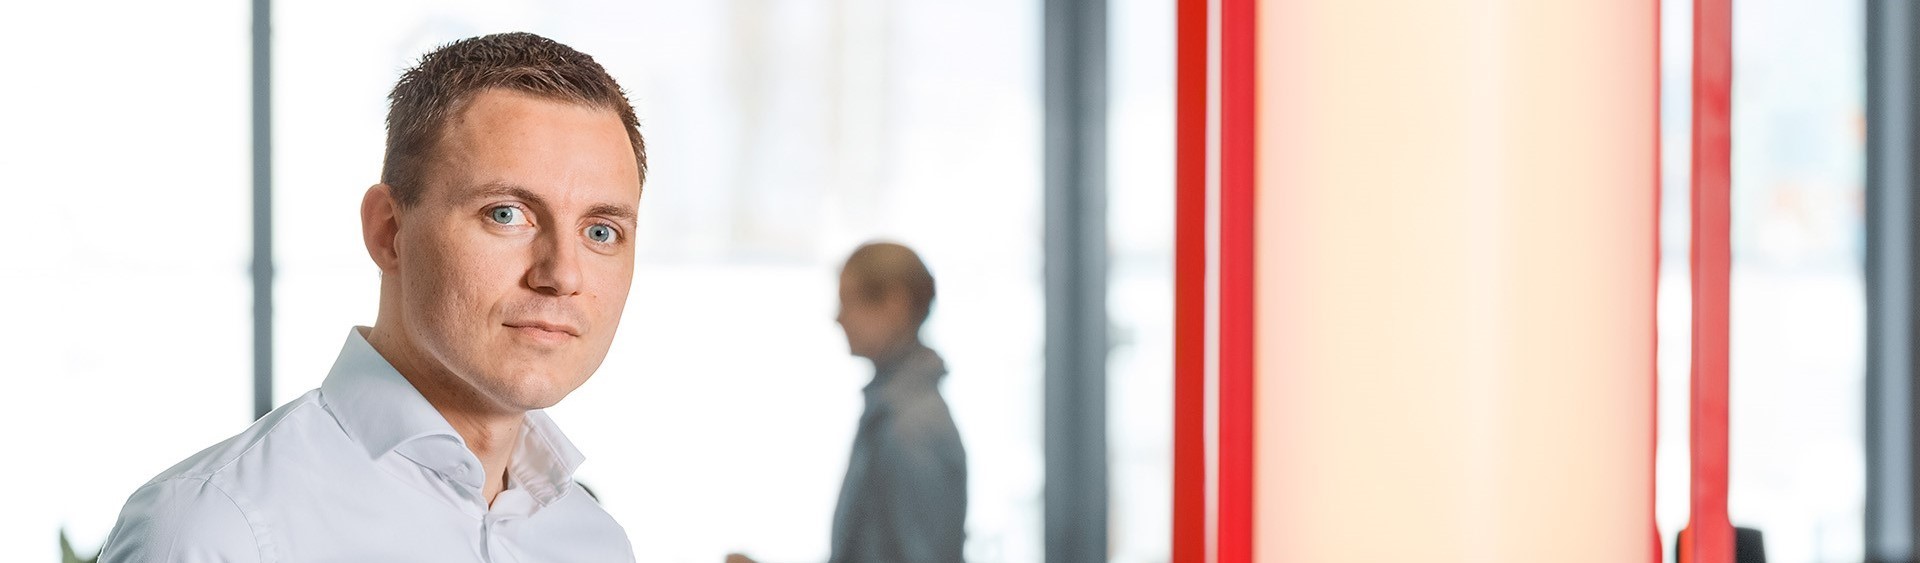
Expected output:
(181, 521)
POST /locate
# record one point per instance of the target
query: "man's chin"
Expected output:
(530, 399)
(529, 387)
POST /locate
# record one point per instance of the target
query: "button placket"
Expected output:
(493, 533)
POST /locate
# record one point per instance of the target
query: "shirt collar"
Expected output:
(545, 460)
(376, 406)
(380, 410)
(914, 371)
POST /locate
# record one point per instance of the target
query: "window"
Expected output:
(125, 163)
(1798, 326)
(1140, 294)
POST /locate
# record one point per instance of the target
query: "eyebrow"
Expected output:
(624, 213)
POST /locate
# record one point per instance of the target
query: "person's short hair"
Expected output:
(431, 93)
(880, 268)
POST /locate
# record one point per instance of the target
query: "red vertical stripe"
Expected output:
(1190, 285)
(1712, 269)
(1237, 157)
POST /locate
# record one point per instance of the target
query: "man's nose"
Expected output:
(556, 265)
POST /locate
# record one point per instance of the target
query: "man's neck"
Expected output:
(491, 433)
(491, 436)
(896, 355)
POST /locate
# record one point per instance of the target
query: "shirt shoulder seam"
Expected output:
(260, 542)
(173, 541)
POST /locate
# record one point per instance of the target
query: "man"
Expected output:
(502, 228)
(905, 494)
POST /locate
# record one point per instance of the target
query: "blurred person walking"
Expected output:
(905, 494)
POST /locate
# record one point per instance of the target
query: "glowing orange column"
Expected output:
(1456, 264)
(1434, 330)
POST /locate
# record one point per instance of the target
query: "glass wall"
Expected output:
(125, 164)
(1797, 446)
(1140, 288)
(1799, 330)
(781, 135)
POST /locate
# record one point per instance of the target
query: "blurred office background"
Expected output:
(782, 134)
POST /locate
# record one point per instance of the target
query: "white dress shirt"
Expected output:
(364, 469)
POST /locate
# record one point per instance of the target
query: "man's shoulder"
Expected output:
(219, 459)
(922, 433)
(923, 418)
(183, 519)
(198, 507)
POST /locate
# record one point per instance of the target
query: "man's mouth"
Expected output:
(543, 328)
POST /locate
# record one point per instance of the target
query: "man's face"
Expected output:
(872, 326)
(515, 263)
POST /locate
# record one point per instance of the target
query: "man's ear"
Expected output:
(380, 226)
(899, 305)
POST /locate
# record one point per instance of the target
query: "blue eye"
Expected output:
(507, 215)
(600, 233)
